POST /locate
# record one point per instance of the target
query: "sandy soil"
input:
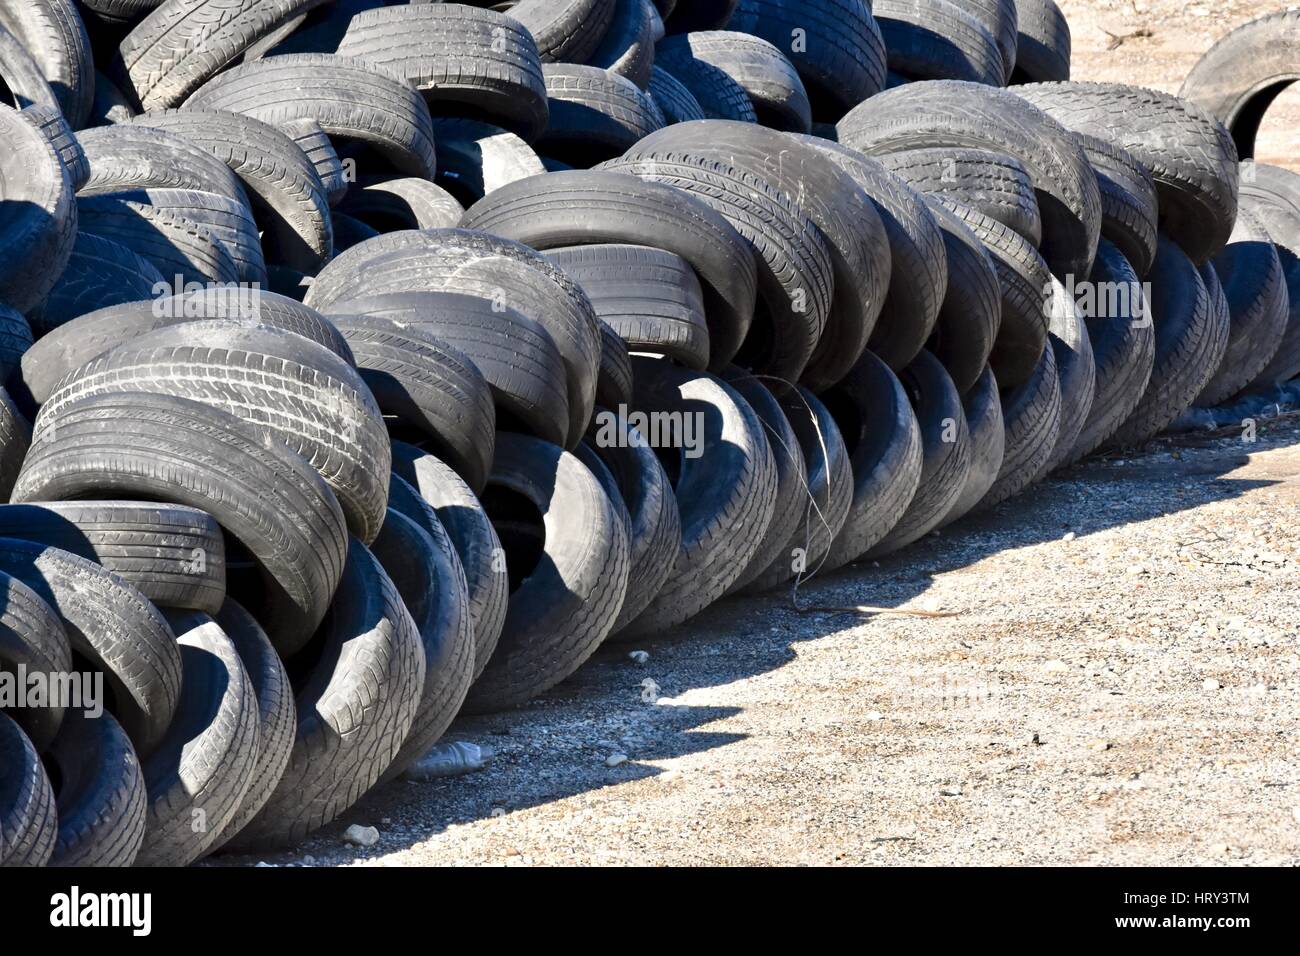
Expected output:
(1121, 682)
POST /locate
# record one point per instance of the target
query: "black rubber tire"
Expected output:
(39, 224)
(100, 795)
(766, 75)
(357, 686)
(475, 540)
(952, 114)
(841, 211)
(477, 158)
(100, 273)
(594, 114)
(21, 79)
(120, 13)
(1123, 349)
(466, 62)
(1042, 43)
(53, 32)
(430, 385)
(945, 453)
(110, 106)
(841, 57)
(422, 563)
(15, 339)
(795, 272)
(1273, 195)
(883, 439)
(517, 357)
(402, 202)
(55, 128)
(628, 47)
(791, 501)
(27, 811)
(182, 43)
(174, 556)
(315, 144)
(971, 313)
(200, 771)
(994, 184)
(1191, 336)
(349, 232)
(1031, 416)
(183, 250)
(654, 522)
(696, 15)
(1129, 209)
(69, 346)
(1251, 275)
(230, 223)
(918, 266)
(1239, 77)
(504, 274)
(825, 499)
(1187, 151)
(614, 387)
(717, 93)
(322, 29)
(725, 497)
(650, 297)
(983, 408)
(675, 100)
(283, 184)
(1025, 280)
(937, 40)
(1001, 19)
(568, 587)
(15, 439)
(282, 385)
(1076, 373)
(32, 637)
(565, 30)
(594, 207)
(127, 156)
(352, 101)
(112, 626)
(276, 718)
(262, 493)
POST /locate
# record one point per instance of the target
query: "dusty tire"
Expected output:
(172, 555)
(1273, 195)
(1123, 347)
(40, 221)
(1129, 210)
(674, 99)
(1239, 77)
(768, 78)
(1191, 335)
(983, 407)
(617, 208)
(883, 440)
(567, 589)
(1076, 373)
(15, 340)
(466, 523)
(1187, 151)
(32, 637)
(628, 47)
(937, 40)
(101, 796)
(100, 273)
(27, 813)
(53, 32)
(174, 244)
(1042, 43)
(402, 202)
(429, 385)
(126, 156)
(725, 497)
(476, 158)
(59, 134)
(200, 771)
(614, 386)
(204, 458)
(594, 114)
(945, 453)
(423, 565)
(1031, 416)
(283, 386)
(15, 440)
(465, 62)
(357, 686)
(718, 94)
(565, 30)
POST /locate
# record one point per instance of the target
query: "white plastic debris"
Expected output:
(450, 760)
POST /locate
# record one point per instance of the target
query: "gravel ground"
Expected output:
(1120, 684)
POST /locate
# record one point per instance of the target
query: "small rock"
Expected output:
(358, 835)
(638, 657)
(498, 811)
(1210, 684)
(649, 691)
(614, 760)
(308, 860)
(875, 715)
(1099, 745)
(1220, 849)
(950, 791)
(1259, 690)
(264, 863)
(1295, 812)
(1056, 667)
(1069, 536)
(1134, 570)
(512, 851)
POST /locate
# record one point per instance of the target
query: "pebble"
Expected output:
(875, 715)
(638, 657)
(950, 791)
(1210, 684)
(1056, 667)
(358, 835)
(649, 691)
(498, 811)
(614, 760)
(1069, 536)
(1099, 745)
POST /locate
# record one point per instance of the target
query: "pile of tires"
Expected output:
(331, 415)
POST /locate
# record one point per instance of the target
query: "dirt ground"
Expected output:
(1120, 683)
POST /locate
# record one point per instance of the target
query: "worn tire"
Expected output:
(53, 32)
(27, 811)
(766, 75)
(175, 245)
(1076, 373)
(126, 156)
(628, 47)
(477, 158)
(1031, 416)
(594, 114)
(1273, 195)
(402, 202)
(983, 407)
(100, 273)
(565, 30)
(675, 100)
(1042, 43)
(937, 40)
(718, 94)
(1129, 207)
